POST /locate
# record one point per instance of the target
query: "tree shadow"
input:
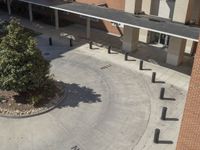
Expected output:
(21, 98)
(77, 94)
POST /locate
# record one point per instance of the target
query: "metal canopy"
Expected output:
(147, 22)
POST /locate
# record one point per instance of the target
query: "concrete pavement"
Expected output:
(111, 105)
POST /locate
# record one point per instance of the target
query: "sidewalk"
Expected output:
(154, 55)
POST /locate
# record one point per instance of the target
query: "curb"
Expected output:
(39, 112)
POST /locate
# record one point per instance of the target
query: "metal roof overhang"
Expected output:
(147, 22)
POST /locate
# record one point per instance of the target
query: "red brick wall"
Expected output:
(91, 1)
(115, 4)
(189, 136)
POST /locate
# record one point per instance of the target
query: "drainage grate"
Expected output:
(106, 66)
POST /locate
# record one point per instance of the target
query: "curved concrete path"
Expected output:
(108, 106)
(105, 109)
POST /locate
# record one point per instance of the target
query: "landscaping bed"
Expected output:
(14, 105)
(26, 86)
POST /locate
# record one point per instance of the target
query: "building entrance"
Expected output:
(161, 39)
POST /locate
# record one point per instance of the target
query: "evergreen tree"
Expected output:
(22, 66)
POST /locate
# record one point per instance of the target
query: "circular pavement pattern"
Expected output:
(107, 108)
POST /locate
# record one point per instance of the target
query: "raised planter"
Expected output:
(54, 102)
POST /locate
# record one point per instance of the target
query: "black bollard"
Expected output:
(109, 49)
(90, 44)
(141, 65)
(164, 112)
(126, 56)
(156, 136)
(50, 41)
(71, 42)
(162, 93)
(153, 77)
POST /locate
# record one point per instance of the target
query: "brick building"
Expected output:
(189, 137)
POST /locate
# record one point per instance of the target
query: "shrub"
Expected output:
(22, 67)
(2, 98)
(35, 99)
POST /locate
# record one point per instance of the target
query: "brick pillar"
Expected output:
(189, 136)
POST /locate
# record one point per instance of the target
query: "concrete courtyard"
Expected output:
(110, 105)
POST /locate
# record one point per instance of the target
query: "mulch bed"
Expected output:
(13, 104)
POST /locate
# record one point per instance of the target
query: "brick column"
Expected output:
(189, 136)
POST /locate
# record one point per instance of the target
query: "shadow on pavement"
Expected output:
(169, 99)
(161, 82)
(79, 94)
(165, 142)
(171, 119)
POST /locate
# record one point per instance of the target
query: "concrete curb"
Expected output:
(39, 112)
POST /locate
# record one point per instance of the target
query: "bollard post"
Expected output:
(153, 77)
(50, 41)
(162, 93)
(90, 43)
(71, 42)
(164, 112)
(141, 65)
(109, 49)
(126, 56)
(156, 136)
